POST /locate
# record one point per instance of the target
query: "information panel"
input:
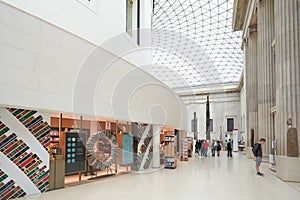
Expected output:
(235, 139)
(127, 151)
(75, 152)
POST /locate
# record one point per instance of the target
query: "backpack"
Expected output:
(229, 145)
(219, 147)
(254, 150)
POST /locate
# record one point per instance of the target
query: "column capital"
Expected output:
(252, 29)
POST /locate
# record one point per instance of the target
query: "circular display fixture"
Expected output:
(102, 149)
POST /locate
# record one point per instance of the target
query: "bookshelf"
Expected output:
(190, 146)
(54, 142)
(184, 149)
(170, 151)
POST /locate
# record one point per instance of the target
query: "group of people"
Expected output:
(216, 146)
(201, 147)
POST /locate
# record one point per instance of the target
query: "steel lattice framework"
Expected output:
(193, 43)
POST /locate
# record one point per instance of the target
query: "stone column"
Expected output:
(265, 26)
(247, 89)
(287, 59)
(251, 83)
(156, 149)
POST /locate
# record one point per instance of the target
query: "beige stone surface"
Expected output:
(265, 30)
(288, 168)
(249, 153)
(287, 62)
(272, 72)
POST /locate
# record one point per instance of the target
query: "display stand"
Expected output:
(184, 149)
(57, 173)
(170, 154)
(190, 146)
(54, 142)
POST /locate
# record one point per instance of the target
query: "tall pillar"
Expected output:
(265, 26)
(251, 83)
(156, 149)
(247, 89)
(93, 127)
(287, 60)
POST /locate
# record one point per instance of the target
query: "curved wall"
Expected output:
(44, 67)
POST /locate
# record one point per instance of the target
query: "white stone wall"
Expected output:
(243, 115)
(96, 25)
(47, 68)
(222, 106)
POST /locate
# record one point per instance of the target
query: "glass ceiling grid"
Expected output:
(194, 44)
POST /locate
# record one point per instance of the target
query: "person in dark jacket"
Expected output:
(198, 147)
(257, 151)
(229, 148)
(213, 148)
(219, 147)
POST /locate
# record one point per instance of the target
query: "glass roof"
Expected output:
(193, 43)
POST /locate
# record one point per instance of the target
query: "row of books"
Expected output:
(9, 189)
(16, 151)
(3, 129)
(35, 125)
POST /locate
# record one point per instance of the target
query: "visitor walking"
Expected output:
(198, 147)
(205, 146)
(219, 147)
(257, 151)
(213, 148)
(202, 148)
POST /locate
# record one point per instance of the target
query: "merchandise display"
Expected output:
(102, 150)
(184, 149)
(54, 142)
(190, 146)
(170, 151)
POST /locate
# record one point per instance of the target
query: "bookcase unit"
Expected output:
(170, 151)
(184, 149)
(54, 142)
(190, 146)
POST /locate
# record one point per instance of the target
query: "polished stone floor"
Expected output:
(199, 178)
